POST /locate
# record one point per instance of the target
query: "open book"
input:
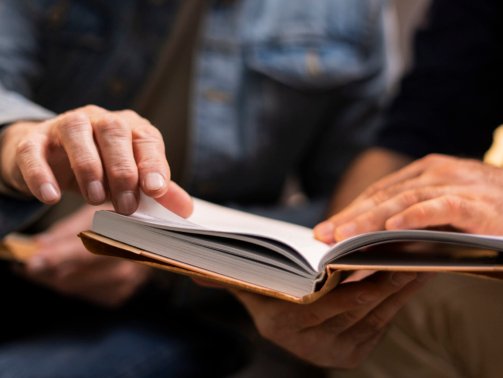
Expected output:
(273, 257)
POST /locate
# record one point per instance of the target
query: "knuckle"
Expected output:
(93, 108)
(370, 220)
(128, 113)
(409, 197)
(26, 147)
(122, 170)
(86, 165)
(372, 189)
(111, 126)
(453, 203)
(112, 132)
(148, 133)
(74, 120)
(350, 317)
(433, 158)
(379, 197)
(342, 321)
(460, 207)
(148, 163)
(419, 212)
(375, 322)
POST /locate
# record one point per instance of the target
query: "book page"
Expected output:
(211, 217)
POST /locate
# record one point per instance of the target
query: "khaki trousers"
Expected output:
(452, 328)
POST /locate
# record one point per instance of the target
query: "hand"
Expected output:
(340, 329)
(431, 192)
(102, 154)
(63, 264)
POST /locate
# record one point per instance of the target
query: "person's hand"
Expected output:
(435, 191)
(63, 264)
(340, 329)
(103, 154)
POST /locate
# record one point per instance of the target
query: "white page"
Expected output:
(208, 216)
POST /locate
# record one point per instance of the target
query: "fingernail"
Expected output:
(126, 203)
(402, 278)
(154, 181)
(48, 192)
(37, 264)
(325, 231)
(96, 192)
(345, 231)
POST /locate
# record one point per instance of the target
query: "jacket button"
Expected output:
(116, 86)
(215, 95)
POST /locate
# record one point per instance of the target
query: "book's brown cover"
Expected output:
(16, 247)
(104, 246)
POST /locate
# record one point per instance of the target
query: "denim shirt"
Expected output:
(280, 87)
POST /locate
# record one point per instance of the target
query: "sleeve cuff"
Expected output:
(14, 107)
(16, 214)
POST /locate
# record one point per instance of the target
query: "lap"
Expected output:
(453, 327)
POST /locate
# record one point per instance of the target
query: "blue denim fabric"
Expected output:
(280, 88)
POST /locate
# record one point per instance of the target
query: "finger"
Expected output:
(363, 215)
(150, 155)
(342, 225)
(349, 303)
(375, 219)
(64, 254)
(107, 282)
(75, 131)
(378, 319)
(453, 210)
(355, 354)
(379, 192)
(35, 171)
(116, 150)
(110, 286)
(325, 231)
(177, 200)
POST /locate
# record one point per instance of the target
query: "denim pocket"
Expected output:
(314, 44)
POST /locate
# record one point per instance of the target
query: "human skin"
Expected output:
(340, 329)
(105, 156)
(102, 154)
(435, 191)
(62, 263)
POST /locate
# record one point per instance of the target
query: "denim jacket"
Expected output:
(280, 87)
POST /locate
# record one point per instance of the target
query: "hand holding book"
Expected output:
(275, 258)
(340, 329)
(431, 192)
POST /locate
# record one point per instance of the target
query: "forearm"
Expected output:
(368, 167)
